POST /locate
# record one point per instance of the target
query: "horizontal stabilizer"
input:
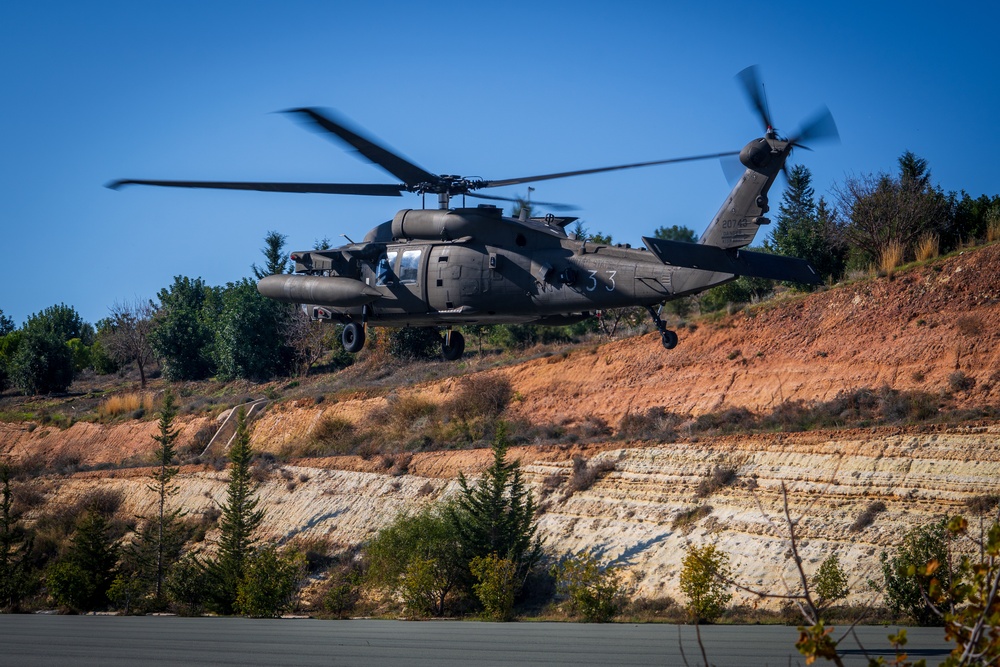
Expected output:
(736, 261)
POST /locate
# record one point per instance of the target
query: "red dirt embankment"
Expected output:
(910, 332)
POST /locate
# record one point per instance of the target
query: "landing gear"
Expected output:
(452, 345)
(353, 337)
(668, 337)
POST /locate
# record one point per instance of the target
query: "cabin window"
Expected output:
(409, 266)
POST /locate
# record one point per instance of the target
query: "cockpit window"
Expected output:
(409, 266)
(383, 274)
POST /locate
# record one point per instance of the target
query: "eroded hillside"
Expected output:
(914, 332)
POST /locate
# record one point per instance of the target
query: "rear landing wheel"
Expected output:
(353, 337)
(669, 339)
(453, 345)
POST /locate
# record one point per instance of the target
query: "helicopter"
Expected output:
(448, 267)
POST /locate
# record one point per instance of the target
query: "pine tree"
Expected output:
(163, 486)
(497, 514)
(240, 518)
(81, 580)
(274, 253)
(15, 545)
(805, 231)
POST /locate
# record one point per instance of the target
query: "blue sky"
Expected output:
(94, 91)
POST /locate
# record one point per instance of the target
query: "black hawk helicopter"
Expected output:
(448, 267)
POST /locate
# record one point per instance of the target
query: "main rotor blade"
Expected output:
(372, 189)
(553, 206)
(408, 172)
(581, 172)
(754, 90)
(820, 127)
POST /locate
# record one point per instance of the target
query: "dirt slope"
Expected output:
(912, 332)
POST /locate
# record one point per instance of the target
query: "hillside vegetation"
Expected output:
(871, 408)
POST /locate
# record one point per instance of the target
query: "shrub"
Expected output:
(596, 593)
(904, 574)
(415, 343)
(969, 325)
(686, 518)
(496, 585)
(481, 395)
(344, 591)
(585, 475)
(655, 424)
(959, 381)
(416, 557)
(983, 503)
(719, 477)
(866, 518)
(269, 583)
(704, 581)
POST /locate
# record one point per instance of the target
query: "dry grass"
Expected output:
(890, 258)
(993, 228)
(928, 247)
(125, 404)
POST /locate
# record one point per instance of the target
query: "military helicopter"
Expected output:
(448, 267)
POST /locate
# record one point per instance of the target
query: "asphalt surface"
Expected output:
(110, 641)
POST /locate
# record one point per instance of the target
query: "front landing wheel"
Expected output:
(353, 337)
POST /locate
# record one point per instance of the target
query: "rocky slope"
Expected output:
(912, 332)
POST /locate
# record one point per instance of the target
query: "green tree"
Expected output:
(905, 581)
(250, 340)
(274, 254)
(599, 238)
(81, 579)
(417, 557)
(705, 575)
(63, 321)
(42, 364)
(269, 583)
(183, 333)
(497, 514)
(240, 519)
(595, 592)
(15, 548)
(6, 324)
(676, 233)
(830, 582)
(496, 585)
(884, 209)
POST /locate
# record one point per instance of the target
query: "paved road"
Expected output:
(110, 641)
